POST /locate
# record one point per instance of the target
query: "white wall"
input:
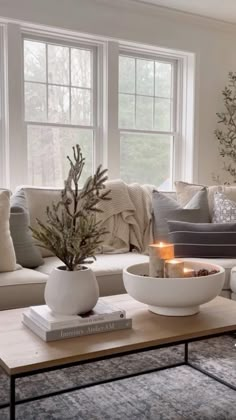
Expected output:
(213, 43)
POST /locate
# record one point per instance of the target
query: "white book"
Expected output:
(103, 311)
(78, 331)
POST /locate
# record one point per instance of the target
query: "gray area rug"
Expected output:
(173, 394)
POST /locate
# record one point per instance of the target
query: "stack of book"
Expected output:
(51, 326)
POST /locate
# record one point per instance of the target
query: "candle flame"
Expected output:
(160, 245)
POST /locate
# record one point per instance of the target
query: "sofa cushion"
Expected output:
(21, 288)
(107, 267)
(7, 253)
(224, 209)
(165, 208)
(207, 240)
(27, 254)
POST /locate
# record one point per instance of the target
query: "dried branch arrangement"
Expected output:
(72, 232)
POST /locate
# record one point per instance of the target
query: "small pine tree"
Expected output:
(72, 232)
(227, 135)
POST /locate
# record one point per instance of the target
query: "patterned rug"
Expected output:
(173, 394)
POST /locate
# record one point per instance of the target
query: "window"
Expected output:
(129, 106)
(147, 101)
(59, 98)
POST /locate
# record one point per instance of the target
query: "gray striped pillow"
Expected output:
(203, 240)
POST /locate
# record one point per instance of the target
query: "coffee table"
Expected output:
(22, 353)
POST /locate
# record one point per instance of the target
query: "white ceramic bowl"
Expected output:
(173, 296)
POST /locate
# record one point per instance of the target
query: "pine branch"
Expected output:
(72, 232)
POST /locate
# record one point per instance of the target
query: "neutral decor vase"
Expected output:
(71, 292)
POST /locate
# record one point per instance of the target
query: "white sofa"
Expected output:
(25, 287)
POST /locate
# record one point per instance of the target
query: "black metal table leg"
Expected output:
(12, 398)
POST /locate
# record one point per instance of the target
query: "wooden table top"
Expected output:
(23, 351)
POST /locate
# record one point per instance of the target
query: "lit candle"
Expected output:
(174, 268)
(189, 272)
(158, 253)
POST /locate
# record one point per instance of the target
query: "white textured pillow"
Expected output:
(224, 209)
(7, 253)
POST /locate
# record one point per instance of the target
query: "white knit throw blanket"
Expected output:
(127, 217)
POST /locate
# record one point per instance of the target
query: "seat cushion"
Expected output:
(107, 267)
(23, 287)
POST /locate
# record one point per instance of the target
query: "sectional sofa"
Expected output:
(25, 286)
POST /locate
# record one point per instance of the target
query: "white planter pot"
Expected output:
(71, 292)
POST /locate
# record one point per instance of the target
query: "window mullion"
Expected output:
(70, 85)
(111, 106)
(131, 130)
(55, 124)
(46, 51)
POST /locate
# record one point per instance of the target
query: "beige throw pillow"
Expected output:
(186, 191)
(7, 253)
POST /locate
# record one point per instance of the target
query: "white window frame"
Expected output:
(106, 132)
